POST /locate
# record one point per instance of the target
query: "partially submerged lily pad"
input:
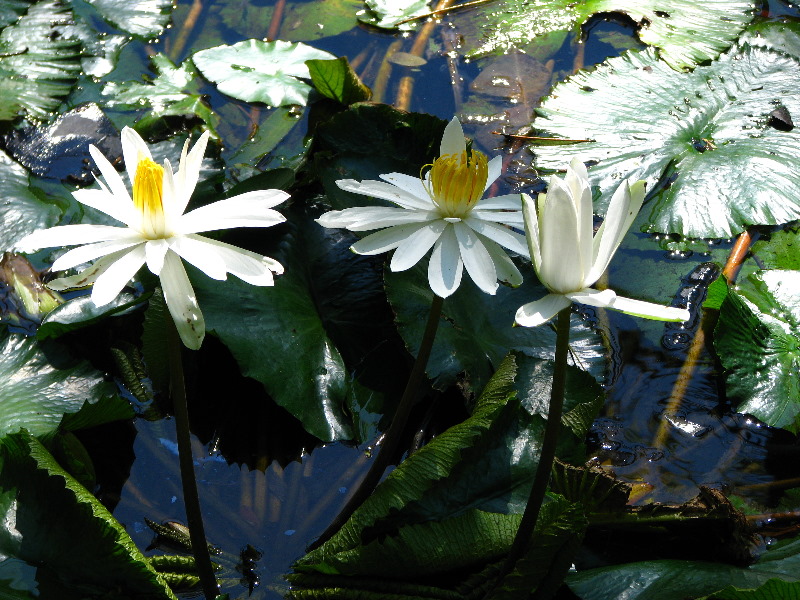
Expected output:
(706, 136)
(758, 341)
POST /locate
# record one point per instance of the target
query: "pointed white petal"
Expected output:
(506, 202)
(181, 302)
(561, 269)
(387, 191)
(412, 185)
(189, 171)
(366, 218)
(88, 252)
(155, 250)
(622, 210)
(118, 208)
(532, 231)
(507, 271)
(116, 276)
(415, 246)
(477, 261)
(577, 182)
(133, 150)
(385, 240)
(500, 234)
(86, 277)
(541, 311)
(512, 219)
(111, 176)
(453, 139)
(494, 168)
(250, 267)
(598, 298)
(242, 211)
(648, 310)
(71, 235)
(445, 267)
(267, 198)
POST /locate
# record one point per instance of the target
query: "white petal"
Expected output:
(598, 298)
(189, 171)
(385, 240)
(72, 235)
(387, 191)
(507, 271)
(155, 250)
(250, 267)
(181, 302)
(116, 276)
(86, 277)
(532, 231)
(477, 260)
(561, 269)
(577, 182)
(115, 207)
(412, 185)
(506, 202)
(242, 211)
(366, 218)
(453, 139)
(648, 310)
(133, 150)
(622, 210)
(494, 168)
(445, 267)
(502, 235)
(111, 176)
(541, 311)
(415, 246)
(512, 219)
(83, 254)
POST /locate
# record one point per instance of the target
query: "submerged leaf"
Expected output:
(256, 71)
(705, 136)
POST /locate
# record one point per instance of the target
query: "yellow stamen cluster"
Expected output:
(147, 196)
(457, 182)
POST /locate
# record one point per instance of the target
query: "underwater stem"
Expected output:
(392, 437)
(545, 467)
(191, 498)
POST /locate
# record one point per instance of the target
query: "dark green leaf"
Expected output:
(82, 311)
(335, 79)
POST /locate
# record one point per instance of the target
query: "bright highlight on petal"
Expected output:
(441, 212)
(158, 234)
(569, 257)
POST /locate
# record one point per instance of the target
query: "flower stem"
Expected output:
(392, 437)
(548, 454)
(191, 498)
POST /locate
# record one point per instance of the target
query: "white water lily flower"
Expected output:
(158, 233)
(443, 210)
(568, 258)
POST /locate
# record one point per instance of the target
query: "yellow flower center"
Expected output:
(147, 197)
(457, 182)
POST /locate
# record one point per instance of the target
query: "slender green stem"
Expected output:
(392, 437)
(548, 454)
(191, 498)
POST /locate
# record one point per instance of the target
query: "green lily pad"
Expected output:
(256, 71)
(142, 18)
(60, 541)
(302, 22)
(758, 341)
(39, 61)
(172, 93)
(706, 136)
(335, 79)
(670, 579)
(41, 384)
(389, 14)
(686, 32)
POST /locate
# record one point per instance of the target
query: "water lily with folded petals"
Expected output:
(568, 258)
(158, 233)
(443, 210)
